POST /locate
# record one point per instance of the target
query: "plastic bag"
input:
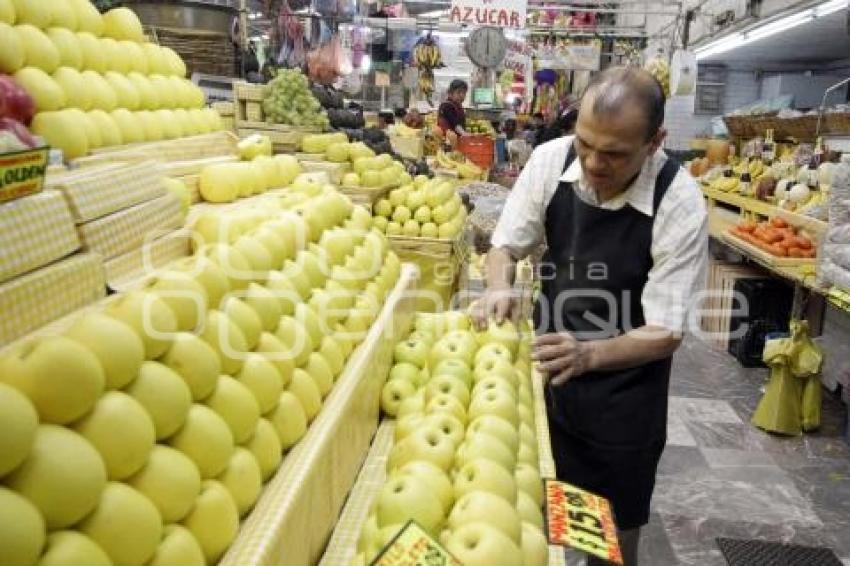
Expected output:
(811, 409)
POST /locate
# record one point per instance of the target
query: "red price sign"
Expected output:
(413, 546)
(581, 520)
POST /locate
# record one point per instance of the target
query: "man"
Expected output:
(626, 230)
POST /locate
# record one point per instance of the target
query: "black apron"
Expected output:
(608, 429)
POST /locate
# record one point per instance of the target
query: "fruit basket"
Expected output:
(294, 517)
(773, 243)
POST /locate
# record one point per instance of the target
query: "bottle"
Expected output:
(745, 184)
(768, 148)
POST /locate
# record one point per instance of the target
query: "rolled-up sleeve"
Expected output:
(680, 257)
(520, 227)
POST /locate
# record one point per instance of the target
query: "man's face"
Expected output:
(612, 148)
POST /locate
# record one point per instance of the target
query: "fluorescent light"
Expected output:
(778, 26)
(722, 45)
(829, 7)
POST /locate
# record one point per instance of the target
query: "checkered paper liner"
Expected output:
(44, 295)
(123, 231)
(34, 230)
(195, 166)
(300, 505)
(180, 149)
(224, 108)
(125, 271)
(98, 191)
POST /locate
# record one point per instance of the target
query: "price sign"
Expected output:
(22, 172)
(413, 546)
(581, 520)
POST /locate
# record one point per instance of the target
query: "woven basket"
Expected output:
(738, 126)
(836, 123)
(800, 128)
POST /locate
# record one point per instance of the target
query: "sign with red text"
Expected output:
(517, 56)
(499, 13)
(581, 520)
(413, 546)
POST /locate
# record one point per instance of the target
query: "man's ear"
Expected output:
(658, 139)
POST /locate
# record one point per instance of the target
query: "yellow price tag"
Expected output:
(22, 172)
(581, 520)
(413, 546)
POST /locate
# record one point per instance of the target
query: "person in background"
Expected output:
(562, 126)
(400, 114)
(451, 116)
(509, 128)
(385, 119)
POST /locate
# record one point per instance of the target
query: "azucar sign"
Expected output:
(500, 13)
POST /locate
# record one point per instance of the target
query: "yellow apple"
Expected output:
(245, 318)
(178, 547)
(122, 432)
(528, 454)
(266, 448)
(426, 443)
(333, 354)
(243, 479)
(186, 297)
(320, 371)
(535, 547)
(528, 509)
(66, 548)
(289, 420)
(443, 403)
(305, 389)
(435, 478)
(479, 544)
(394, 392)
(528, 480)
(447, 385)
(236, 405)
(493, 350)
(18, 425)
(495, 402)
(151, 318)
(225, 337)
(407, 424)
(498, 427)
(404, 497)
(206, 439)
(22, 530)
(494, 367)
(170, 480)
(234, 264)
(118, 348)
(486, 507)
(196, 362)
(164, 395)
(209, 274)
(214, 520)
(125, 524)
(455, 367)
(262, 379)
(260, 261)
(278, 354)
(493, 383)
(63, 476)
(485, 475)
(449, 425)
(295, 339)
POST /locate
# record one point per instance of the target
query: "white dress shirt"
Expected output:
(679, 235)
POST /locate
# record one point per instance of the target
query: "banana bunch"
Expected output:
(725, 184)
(660, 69)
(426, 54)
(755, 167)
(458, 162)
(426, 81)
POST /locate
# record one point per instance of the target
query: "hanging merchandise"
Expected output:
(683, 73)
(291, 32)
(660, 69)
(426, 58)
(324, 63)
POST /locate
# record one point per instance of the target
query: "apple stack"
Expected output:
(226, 182)
(94, 79)
(465, 464)
(427, 208)
(143, 432)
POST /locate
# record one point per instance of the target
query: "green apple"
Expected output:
(295, 338)
(383, 208)
(426, 443)
(527, 453)
(232, 262)
(22, 529)
(178, 547)
(493, 383)
(443, 403)
(407, 372)
(214, 520)
(429, 230)
(337, 244)
(529, 510)
(435, 478)
(393, 228)
(454, 367)
(125, 524)
(333, 354)
(278, 354)
(66, 548)
(411, 351)
(225, 337)
(493, 350)
(448, 424)
(245, 318)
(401, 214)
(393, 393)
(526, 415)
(170, 480)
(305, 389)
(276, 247)
(535, 548)
(498, 427)
(479, 544)
(447, 385)
(235, 403)
(289, 420)
(422, 215)
(410, 229)
(311, 323)
(527, 436)
(266, 448)
(116, 345)
(18, 425)
(206, 439)
(262, 379)
(209, 274)
(265, 304)
(528, 481)
(398, 197)
(404, 497)
(259, 260)
(495, 367)
(453, 346)
(61, 378)
(63, 476)
(185, 296)
(164, 395)
(360, 219)
(482, 474)
(316, 270)
(415, 199)
(121, 431)
(195, 361)
(489, 508)
(243, 479)
(505, 333)
(407, 424)
(284, 290)
(483, 445)
(495, 402)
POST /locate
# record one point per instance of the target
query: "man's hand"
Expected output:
(561, 357)
(499, 304)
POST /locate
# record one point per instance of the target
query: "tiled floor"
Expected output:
(720, 476)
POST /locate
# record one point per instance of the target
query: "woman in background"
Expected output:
(451, 116)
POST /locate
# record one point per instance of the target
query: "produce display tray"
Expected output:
(334, 170)
(435, 247)
(126, 271)
(296, 514)
(366, 196)
(195, 166)
(764, 257)
(342, 547)
(180, 149)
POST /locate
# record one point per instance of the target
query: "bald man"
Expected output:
(627, 244)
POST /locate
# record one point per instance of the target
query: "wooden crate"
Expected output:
(440, 262)
(295, 516)
(245, 96)
(366, 196)
(335, 171)
(764, 257)
(717, 307)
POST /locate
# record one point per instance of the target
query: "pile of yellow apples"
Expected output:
(94, 79)
(428, 208)
(145, 431)
(465, 464)
(227, 182)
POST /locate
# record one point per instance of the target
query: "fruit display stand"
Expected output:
(440, 261)
(408, 147)
(366, 196)
(125, 271)
(295, 515)
(179, 149)
(250, 119)
(335, 171)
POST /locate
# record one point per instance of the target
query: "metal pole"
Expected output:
(823, 102)
(243, 33)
